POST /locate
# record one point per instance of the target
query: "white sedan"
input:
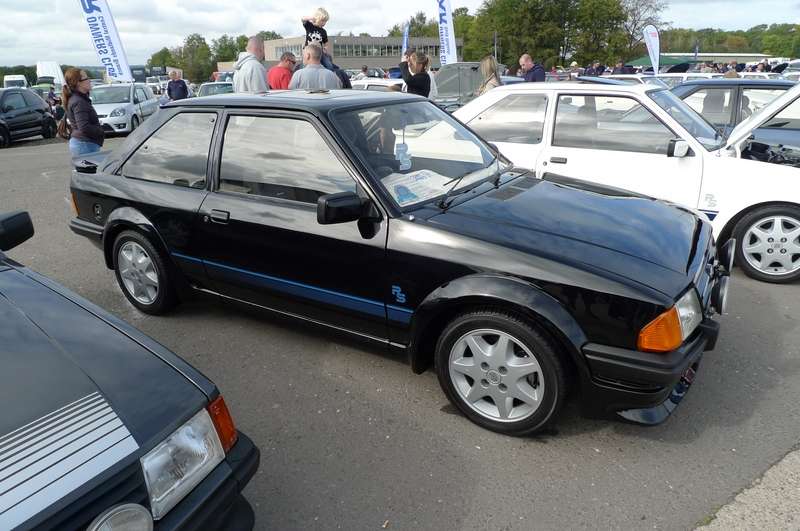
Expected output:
(121, 107)
(645, 139)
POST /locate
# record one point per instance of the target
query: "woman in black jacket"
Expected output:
(417, 79)
(87, 133)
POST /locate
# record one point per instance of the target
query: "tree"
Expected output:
(638, 15)
(224, 49)
(599, 33)
(419, 26)
(241, 42)
(161, 58)
(269, 35)
(195, 60)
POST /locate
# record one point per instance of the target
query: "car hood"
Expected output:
(55, 352)
(647, 240)
(746, 127)
(106, 108)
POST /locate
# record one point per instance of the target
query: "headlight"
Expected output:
(118, 112)
(670, 329)
(174, 467)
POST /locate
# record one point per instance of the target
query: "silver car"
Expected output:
(121, 107)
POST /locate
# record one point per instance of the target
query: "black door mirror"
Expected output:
(15, 228)
(340, 208)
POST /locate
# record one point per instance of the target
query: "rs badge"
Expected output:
(398, 294)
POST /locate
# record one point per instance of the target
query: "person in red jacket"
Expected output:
(280, 75)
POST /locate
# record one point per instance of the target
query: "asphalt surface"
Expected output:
(352, 439)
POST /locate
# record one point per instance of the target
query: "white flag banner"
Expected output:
(653, 45)
(105, 39)
(447, 35)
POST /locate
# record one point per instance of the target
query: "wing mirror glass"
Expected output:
(341, 207)
(15, 228)
(678, 148)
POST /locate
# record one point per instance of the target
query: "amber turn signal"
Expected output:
(662, 334)
(223, 422)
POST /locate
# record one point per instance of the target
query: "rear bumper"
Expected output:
(217, 503)
(644, 387)
(88, 229)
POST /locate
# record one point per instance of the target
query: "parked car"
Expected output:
(394, 73)
(772, 76)
(122, 107)
(14, 81)
(726, 102)
(635, 79)
(646, 139)
(371, 72)
(108, 429)
(675, 79)
(515, 288)
(154, 84)
(212, 89)
(381, 85)
(23, 114)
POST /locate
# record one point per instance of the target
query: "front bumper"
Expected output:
(643, 387)
(217, 502)
(116, 124)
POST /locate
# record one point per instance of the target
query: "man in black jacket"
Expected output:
(176, 88)
(533, 71)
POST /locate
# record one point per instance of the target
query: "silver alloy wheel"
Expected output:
(496, 375)
(138, 273)
(772, 245)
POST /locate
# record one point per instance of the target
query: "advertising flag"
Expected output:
(653, 45)
(405, 39)
(447, 36)
(105, 39)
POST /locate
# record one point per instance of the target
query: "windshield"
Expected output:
(14, 83)
(217, 88)
(695, 124)
(151, 80)
(101, 95)
(416, 151)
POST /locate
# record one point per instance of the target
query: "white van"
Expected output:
(14, 80)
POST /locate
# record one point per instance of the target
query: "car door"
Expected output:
(261, 241)
(515, 124)
(613, 139)
(142, 103)
(17, 114)
(36, 109)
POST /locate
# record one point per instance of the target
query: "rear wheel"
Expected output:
(503, 373)
(143, 273)
(768, 244)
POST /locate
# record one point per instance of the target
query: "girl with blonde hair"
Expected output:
(489, 72)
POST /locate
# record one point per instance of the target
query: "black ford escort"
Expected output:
(381, 216)
(104, 429)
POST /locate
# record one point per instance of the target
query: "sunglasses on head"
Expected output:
(84, 79)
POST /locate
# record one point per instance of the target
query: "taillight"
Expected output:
(223, 422)
(662, 334)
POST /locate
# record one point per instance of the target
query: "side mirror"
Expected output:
(340, 208)
(15, 228)
(678, 148)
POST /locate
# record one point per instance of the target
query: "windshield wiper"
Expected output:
(444, 204)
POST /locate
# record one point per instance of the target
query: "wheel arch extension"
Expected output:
(496, 292)
(727, 231)
(129, 218)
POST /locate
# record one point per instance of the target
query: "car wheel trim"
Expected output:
(138, 273)
(496, 376)
(772, 245)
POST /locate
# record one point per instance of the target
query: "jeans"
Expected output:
(79, 147)
(326, 61)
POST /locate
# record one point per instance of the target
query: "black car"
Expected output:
(103, 427)
(382, 216)
(23, 114)
(726, 102)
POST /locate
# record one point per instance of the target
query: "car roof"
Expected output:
(639, 88)
(718, 82)
(297, 100)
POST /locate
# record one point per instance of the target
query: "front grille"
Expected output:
(102, 115)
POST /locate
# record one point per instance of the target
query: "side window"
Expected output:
(713, 104)
(754, 99)
(279, 157)
(14, 102)
(517, 118)
(177, 153)
(611, 123)
(788, 118)
(140, 95)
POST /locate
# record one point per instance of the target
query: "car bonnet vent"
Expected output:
(505, 193)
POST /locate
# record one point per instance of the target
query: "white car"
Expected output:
(673, 80)
(376, 83)
(121, 107)
(760, 75)
(634, 79)
(214, 88)
(645, 139)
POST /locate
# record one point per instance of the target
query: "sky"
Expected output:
(54, 30)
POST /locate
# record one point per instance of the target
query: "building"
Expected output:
(355, 52)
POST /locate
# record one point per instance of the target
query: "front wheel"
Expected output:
(5, 138)
(502, 372)
(143, 274)
(134, 123)
(768, 244)
(49, 128)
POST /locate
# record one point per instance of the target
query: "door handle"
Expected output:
(220, 216)
(558, 160)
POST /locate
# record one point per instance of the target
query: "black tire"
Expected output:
(49, 128)
(134, 123)
(5, 138)
(541, 345)
(740, 232)
(166, 297)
